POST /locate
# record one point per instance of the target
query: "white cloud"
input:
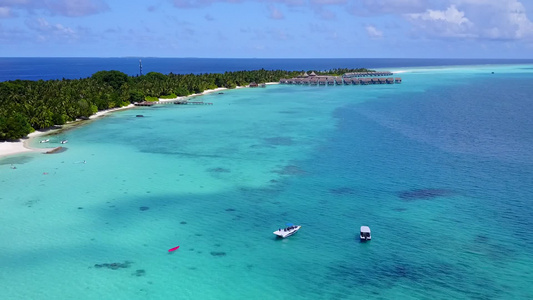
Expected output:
(199, 3)
(445, 23)
(325, 14)
(5, 12)
(47, 31)
(275, 13)
(76, 8)
(480, 19)
(393, 7)
(69, 8)
(503, 19)
(328, 2)
(281, 35)
(450, 15)
(373, 32)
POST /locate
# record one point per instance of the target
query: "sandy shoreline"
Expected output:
(21, 146)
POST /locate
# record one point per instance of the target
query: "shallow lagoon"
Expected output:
(439, 167)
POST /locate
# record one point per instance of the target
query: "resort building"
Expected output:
(355, 78)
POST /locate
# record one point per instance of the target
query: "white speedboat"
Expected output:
(288, 231)
(365, 233)
(45, 141)
(64, 141)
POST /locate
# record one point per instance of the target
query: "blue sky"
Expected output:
(267, 28)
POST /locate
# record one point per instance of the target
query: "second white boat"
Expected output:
(285, 232)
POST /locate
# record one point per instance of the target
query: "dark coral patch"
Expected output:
(218, 253)
(423, 194)
(342, 191)
(290, 170)
(289, 112)
(183, 222)
(399, 209)
(219, 170)
(114, 266)
(280, 141)
(143, 208)
(139, 273)
(17, 160)
(230, 209)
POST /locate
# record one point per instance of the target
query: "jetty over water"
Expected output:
(356, 78)
(180, 102)
(367, 74)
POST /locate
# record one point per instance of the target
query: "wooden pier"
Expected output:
(144, 103)
(179, 102)
(185, 102)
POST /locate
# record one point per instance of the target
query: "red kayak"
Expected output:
(173, 249)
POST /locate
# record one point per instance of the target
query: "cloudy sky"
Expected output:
(268, 28)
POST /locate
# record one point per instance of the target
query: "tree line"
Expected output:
(26, 106)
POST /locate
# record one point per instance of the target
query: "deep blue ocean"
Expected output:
(440, 167)
(75, 68)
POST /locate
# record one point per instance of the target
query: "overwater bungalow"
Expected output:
(355, 78)
(365, 81)
(367, 74)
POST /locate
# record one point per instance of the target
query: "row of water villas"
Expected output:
(358, 78)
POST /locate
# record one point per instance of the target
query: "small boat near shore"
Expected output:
(364, 234)
(288, 231)
(64, 141)
(45, 141)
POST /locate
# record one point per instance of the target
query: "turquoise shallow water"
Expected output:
(440, 167)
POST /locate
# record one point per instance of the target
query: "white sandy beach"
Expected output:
(195, 95)
(105, 112)
(10, 148)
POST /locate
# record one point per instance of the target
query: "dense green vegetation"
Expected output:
(26, 106)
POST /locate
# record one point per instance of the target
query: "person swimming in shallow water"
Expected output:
(13, 167)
